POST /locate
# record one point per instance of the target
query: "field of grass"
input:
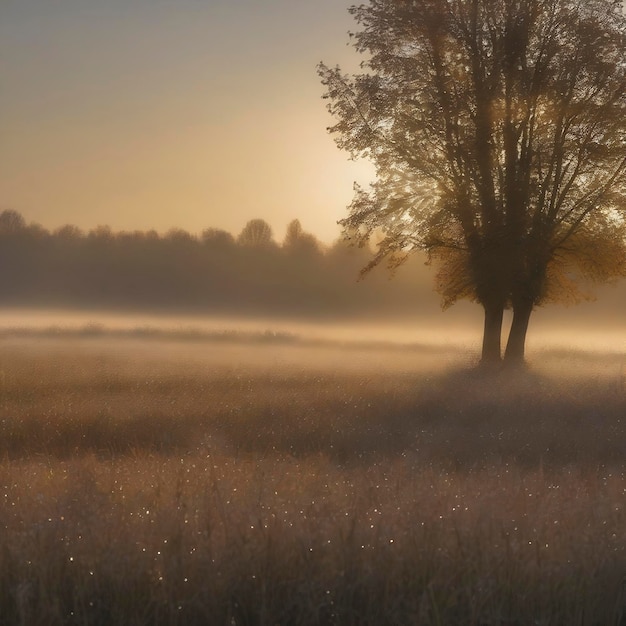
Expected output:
(155, 481)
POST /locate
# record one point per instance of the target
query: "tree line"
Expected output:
(214, 272)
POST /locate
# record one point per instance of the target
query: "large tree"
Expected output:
(498, 133)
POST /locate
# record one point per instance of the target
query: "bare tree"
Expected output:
(498, 132)
(255, 233)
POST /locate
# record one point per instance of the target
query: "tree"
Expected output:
(297, 241)
(498, 132)
(217, 238)
(69, 232)
(256, 233)
(11, 221)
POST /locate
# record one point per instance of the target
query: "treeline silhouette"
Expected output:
(216, 273)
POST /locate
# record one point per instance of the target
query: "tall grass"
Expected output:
(145, 484)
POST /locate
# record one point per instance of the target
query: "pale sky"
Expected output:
(147, 114)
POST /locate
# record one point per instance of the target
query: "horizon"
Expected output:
(163, 233)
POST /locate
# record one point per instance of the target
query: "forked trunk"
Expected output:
(516, 343)
(492, 334)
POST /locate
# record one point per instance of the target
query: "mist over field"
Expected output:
(456, 329)
(169, 477)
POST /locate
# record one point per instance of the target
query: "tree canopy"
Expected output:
(498, 133)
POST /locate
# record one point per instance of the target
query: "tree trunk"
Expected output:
(516, 343)
(492, 334)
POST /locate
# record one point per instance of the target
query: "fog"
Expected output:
(459, 328)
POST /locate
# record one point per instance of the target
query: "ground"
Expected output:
(264, 480)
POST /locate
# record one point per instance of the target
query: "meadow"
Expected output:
(267, 481)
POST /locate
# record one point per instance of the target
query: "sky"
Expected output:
(155, 114)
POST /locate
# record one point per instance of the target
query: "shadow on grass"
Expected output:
(462, 418)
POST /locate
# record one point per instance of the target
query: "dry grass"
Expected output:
(155, 483)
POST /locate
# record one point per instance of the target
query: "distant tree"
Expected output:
(218, 238)
(293, 234)
(68, 232)
(256, 233)
(11, 221)
(179, 236)
(101, 233)
(498, 131)
(37, 231)
(298, 241)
